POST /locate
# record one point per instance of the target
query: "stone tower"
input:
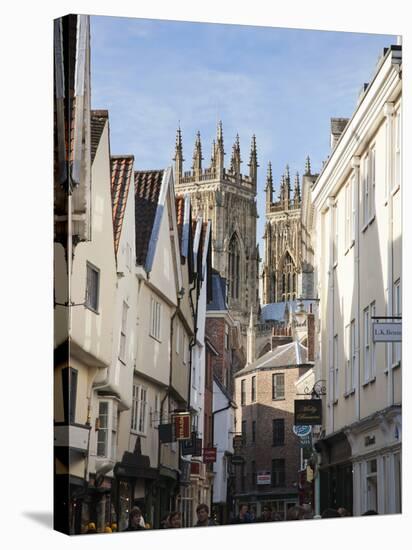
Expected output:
(288, 265)
(227, 198)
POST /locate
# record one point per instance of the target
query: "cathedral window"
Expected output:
(288, 279)
(234, 268)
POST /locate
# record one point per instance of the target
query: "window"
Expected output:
(353, 352)
(372, 177)
(372, 343)
(336, 234)
(371, 485)
(243, 392)
(397, 160)
(253, 431)
(177, 337)
(278, 386)
(365, 190)
(128, 256)
(350, 205)
(234, 268)
(253, 392)
(368, 186)
(185, 348)
(253, 472)
(397, 310)
(226, 337)
(348, 360)
(288, 279)
(69, 382)
(348, 214)
(155, 312)
(107, 430)
(278, 472)
(123, 329)
(366, 344)
(244, 432)
(336, 366)
(278, 427)
(92, 287)
(139, 409)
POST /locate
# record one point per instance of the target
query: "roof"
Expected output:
(98, 119)
(121, 175)
(180, 215)
(288, 355)
(147, 186)
(224, 391)
(218, 302)
(276, 311)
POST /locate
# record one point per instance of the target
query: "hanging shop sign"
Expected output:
(237, 442)
(166, 433)
(263, 478)
(387, 332)
(237, 459)
(182, 423)
(302, 431)
(308, 412)
(209, 455)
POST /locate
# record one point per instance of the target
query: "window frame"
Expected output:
(253, 389)
(138, 424)
(278, 432)
(155, 319)
(276, 385)
(278, 472)
(243, 391)
(123, 333)
(91, 268)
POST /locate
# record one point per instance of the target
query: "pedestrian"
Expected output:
(308, 512)
(174, 520)
(266, 514)
(276, 516)
(295, 512)
(330, 513)
(91, 528)
(203, 519)
(114, 527)
(134, 520)
(244, 515)
(343, 512)
(108, 529)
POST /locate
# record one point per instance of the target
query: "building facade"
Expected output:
(265, 394)
(227, 198)
(357, 202)
(287, 272)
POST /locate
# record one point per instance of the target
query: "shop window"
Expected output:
(371, 485)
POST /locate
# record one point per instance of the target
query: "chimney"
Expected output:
(311, 336)
(337, 126)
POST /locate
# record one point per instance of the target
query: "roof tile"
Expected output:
(147, 189)
(121, 175)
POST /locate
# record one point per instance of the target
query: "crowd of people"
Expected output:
(173, 520)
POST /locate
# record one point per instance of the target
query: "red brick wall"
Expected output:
(264, 411)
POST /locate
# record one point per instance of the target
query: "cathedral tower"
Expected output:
(228, 198)
(288, 266)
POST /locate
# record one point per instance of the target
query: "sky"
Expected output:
(283, 85)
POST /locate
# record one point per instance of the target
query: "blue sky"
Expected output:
(283, 85)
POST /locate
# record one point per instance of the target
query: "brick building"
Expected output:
(265, 392)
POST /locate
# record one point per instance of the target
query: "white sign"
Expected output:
(263, 478)
(302, 431)
(387, 332)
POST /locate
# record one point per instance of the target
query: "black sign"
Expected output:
(308, 412)
(192, 446)
(237, 459)
(166, 433)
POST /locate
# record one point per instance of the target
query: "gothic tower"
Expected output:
(228, 198)
(288, 265)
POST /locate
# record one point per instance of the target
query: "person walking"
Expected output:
(266, 514)
(244, 515)
(173, 521)
(203, 519)
(134, 520)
